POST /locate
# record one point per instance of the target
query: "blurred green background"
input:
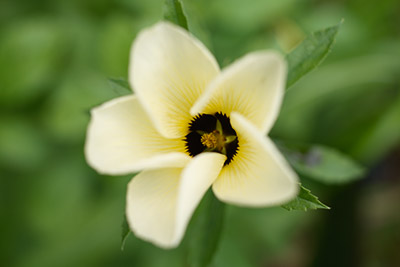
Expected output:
(56, 58)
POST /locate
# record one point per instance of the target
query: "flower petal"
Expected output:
(161, 202)
(252, 86)
(121, 139)
(169, 70)
(258, 174)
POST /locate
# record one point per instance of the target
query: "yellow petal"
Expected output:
(258, 174)
(121, 139)
(169, 70)
(252, 86)
(161, 202)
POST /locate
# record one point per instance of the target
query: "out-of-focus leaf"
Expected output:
(115, 40)
(32, 51)
(381, 137)
(305, 201)
(206, 230)
(323, 164)
(310, 53)
(66, 112)
(120, 86)
(173, 12)
(125, 232)
(22, 144)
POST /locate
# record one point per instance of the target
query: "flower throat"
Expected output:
(212, 133)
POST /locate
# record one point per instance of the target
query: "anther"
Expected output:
(209, 140)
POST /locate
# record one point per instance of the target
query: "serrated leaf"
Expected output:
(120, 86)
(173, 12)
(310, 53)
(323, 164)
(305, 201)
(206, 230)
(125, 232)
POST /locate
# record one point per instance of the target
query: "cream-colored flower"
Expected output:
(190, 126)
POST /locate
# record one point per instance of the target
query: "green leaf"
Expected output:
(305, 201)
(120, 86)
(206, 230)
(323, 164)
(173, 12)
(125, 232)
(310, 53)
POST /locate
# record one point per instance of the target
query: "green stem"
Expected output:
(206, 231)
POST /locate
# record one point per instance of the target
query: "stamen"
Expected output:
(209, 140)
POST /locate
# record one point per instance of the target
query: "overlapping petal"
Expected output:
(169, 70)
(121, 139)
(258, 175)
(161, 202)
(252, 86)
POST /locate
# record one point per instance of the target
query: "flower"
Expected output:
(188, 127)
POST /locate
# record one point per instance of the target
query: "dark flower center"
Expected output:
(212, 133)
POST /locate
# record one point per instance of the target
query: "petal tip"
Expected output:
(262, 177)
(149, 221)
(169, 68)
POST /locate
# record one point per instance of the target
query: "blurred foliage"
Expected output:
(57, 58)
(323, 164)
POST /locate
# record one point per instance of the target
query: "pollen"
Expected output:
(210, 140)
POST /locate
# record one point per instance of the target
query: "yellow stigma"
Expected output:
(209, 140)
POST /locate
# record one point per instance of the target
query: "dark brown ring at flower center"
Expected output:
(212, 133)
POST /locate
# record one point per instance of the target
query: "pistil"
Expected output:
(210, 140)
